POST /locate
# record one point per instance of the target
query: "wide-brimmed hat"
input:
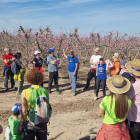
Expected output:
(96, 50)
(134, 67)
(37, 52)
(118, 84)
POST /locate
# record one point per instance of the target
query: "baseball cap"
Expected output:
(16, 108)
(72, 52)
(37, 52)
(51, 50)
(123, 63)
(126, 75)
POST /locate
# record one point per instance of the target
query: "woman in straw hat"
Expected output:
(134, 95)
(92, 73)
(114, 108)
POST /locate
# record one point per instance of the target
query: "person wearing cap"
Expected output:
(37, 62)
(134, 95)
(14, 123)
(114, 109)
(72, 69)
(8, 58)
(116, 65)
(92, 73)
(124, 72)
(52, 61)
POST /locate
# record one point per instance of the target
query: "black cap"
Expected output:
(72, 52)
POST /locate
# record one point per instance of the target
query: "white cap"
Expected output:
(37, 52)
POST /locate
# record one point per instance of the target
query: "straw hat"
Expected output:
(134, 67)
(118, 84)
(96, 50)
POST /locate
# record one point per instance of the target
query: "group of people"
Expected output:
(120, 108)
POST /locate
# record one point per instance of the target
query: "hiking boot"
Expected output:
(13, 87)
(58, 91)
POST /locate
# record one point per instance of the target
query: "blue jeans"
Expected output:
(72, 81)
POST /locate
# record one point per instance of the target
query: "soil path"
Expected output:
(73, 117)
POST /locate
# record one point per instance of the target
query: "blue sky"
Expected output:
(88, 15)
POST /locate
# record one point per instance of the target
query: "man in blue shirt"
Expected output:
(72, 68)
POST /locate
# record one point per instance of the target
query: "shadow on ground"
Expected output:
(56, 136)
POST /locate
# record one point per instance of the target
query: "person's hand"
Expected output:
(1, 129)
(74, 73)
(64, 49)
(13, 58)
(20, 129)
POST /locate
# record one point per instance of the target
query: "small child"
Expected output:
(101, 76)
(14, 123)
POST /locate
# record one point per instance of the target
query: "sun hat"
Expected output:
(96, 50)
(123, 63)
(37, 52)
(72, 52)
(51, 50)
(16, 108)
(118, 84)
(134, 67)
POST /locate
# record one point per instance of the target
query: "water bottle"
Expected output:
(31, 114)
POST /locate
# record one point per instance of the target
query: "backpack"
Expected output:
(40, 110)
(14, 67)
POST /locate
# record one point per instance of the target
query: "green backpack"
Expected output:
(40, 110)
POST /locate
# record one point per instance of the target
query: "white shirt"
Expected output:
(95, 58)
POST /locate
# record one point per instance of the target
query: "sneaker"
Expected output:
(74, 93)
(58, 91)
(13, 87)
(95, 98)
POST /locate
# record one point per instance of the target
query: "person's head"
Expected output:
(123, 65)
(37, 53)
(51, 51)
(16, 109)
(115, 56)
(134, 68)
(101, 61)
(18, 55)
(96, 51)
(126, 75)
(7, 50)
(34, 77)
(119, 86)
(72, 54)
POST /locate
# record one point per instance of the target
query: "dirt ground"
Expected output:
(73, 117)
